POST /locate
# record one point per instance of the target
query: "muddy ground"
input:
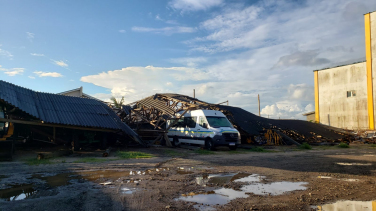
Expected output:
(280, 178)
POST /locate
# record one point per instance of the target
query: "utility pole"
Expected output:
(227, 102)
(258, 97)
(194, 93)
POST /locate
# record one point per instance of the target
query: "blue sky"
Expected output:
(226, 50)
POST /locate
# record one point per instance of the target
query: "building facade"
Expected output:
(344, 95)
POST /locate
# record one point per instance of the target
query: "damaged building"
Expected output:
(345, 95)
(148, 117)
(29, 115)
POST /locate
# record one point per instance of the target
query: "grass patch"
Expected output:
(204, 152)
(258, 149)
(305, 145)
(89, 160)
(35, 162)
(373, 145)
(171, 152)
(343, 145)
(238, 151)
(132, 154)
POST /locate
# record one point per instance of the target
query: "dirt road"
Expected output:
(280, 178)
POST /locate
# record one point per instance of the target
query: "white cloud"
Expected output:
(122, 31)
(126, 82)
(30, 36)
(12, 71)
(173, 22)
(189, 61)
(165, 30)
(48, 74)
(32, 77)
(61, 63)
(193, 5)
(5, 54)
(36, 54)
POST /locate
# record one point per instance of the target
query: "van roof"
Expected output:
(201, 112)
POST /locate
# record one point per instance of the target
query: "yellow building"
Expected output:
(344, 95)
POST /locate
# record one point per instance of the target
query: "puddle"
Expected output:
(17, 192)
(275, 188)
(56, 180)
(221, 179)
(355, 164)
(324, 177)
(349, 206)
(350, 180)
(127, 190)
(220, 196)
(185, 170)
(225, 195)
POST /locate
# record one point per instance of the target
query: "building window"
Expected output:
(351, 93)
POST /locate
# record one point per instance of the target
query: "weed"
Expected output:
(257, 149)
(63, 161)
(238, 151)
(171, 152)
(204, 152)
(89, 160)
(132, 154)
(33, 161)
(305, 145)
(343, 145)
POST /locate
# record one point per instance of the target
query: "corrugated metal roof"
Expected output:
(65, 110)
(254, 124)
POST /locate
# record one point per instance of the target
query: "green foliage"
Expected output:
(373, 145)
(305, 145)
(132, 154)
(117, 103)
(34, 161)
(343, 145)
(204, 152)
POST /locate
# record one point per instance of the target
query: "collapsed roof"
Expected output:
(63, 110)
(156, 109)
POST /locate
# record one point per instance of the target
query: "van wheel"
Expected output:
(175, 142)
(233, 147)
(209, 145)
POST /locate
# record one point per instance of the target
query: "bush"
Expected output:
(343, 145)
(305, 145)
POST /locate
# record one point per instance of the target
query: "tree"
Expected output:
(117, 103)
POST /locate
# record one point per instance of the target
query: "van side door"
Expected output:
(201, 131)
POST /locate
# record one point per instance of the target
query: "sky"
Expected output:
(224, 49)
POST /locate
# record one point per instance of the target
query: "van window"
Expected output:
(201, 121)
(218, 121)
(190, 121)
(179, 123)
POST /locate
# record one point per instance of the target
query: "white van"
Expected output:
(205, 127)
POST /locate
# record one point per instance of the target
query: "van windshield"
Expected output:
(218, 121)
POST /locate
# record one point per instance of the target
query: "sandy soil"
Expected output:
(330, 174)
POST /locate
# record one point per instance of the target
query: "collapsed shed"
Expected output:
(59, 118)
(148, 117)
